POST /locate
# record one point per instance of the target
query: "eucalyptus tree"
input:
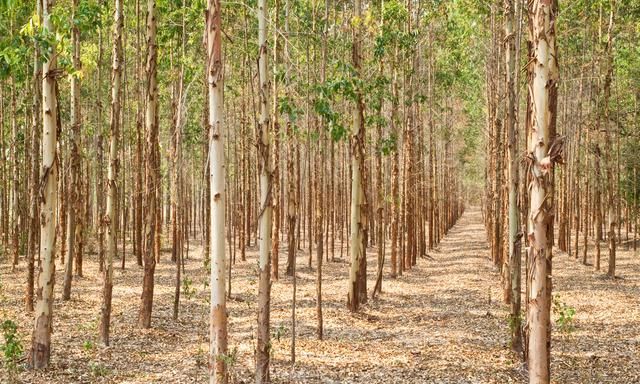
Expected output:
(111, 213)
(609, 165)
(40, 353)
(358, 272)
(408, 151)
(515, 236)
(543, 153)
(14, 163)
(153, 182)
(275, 149)
(292, 196)
(32, 237)
(263, 350)
(215, 83)
(378, 105)
(74, 216)
(179, 101)
(394, 14)
(386, 53)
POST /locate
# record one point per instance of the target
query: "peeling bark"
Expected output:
(41, 339)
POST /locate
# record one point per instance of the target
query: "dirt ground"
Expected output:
(441, 322)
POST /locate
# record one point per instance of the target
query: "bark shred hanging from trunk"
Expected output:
(544, 152)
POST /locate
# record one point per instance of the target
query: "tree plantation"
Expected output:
(319, 191)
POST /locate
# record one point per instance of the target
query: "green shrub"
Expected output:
(188, 289)
(98, 369)
(12, 348)
(88, 345)
(565, 315)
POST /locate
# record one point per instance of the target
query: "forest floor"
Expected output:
(441, 322)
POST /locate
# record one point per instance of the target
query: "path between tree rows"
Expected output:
(442, 322)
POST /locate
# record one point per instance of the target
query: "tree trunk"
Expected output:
(15, 165)
(34, 171)
(357, 273)
(515, 236)
(395, 171)
(319, 237)
(265, 209)
(176, 171)
(152, 181)
(544, 151)
(292, 197)
(275, 179)
(41, 339)
(74, 204)
(215, 79)
(138, 243)
(598, 205)
(111, 213)
(609, 165)
(431, 166)
(4, 202)
(379, 184)
(100, 206)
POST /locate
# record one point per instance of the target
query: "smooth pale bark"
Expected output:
(265, 210)
(218, 310)
(357, 274)
(41, 339)
(152, 181)
(111, 212)
(542, 156)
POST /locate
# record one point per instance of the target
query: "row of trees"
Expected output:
(583, 115)
(353, 126)
(322, 128)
